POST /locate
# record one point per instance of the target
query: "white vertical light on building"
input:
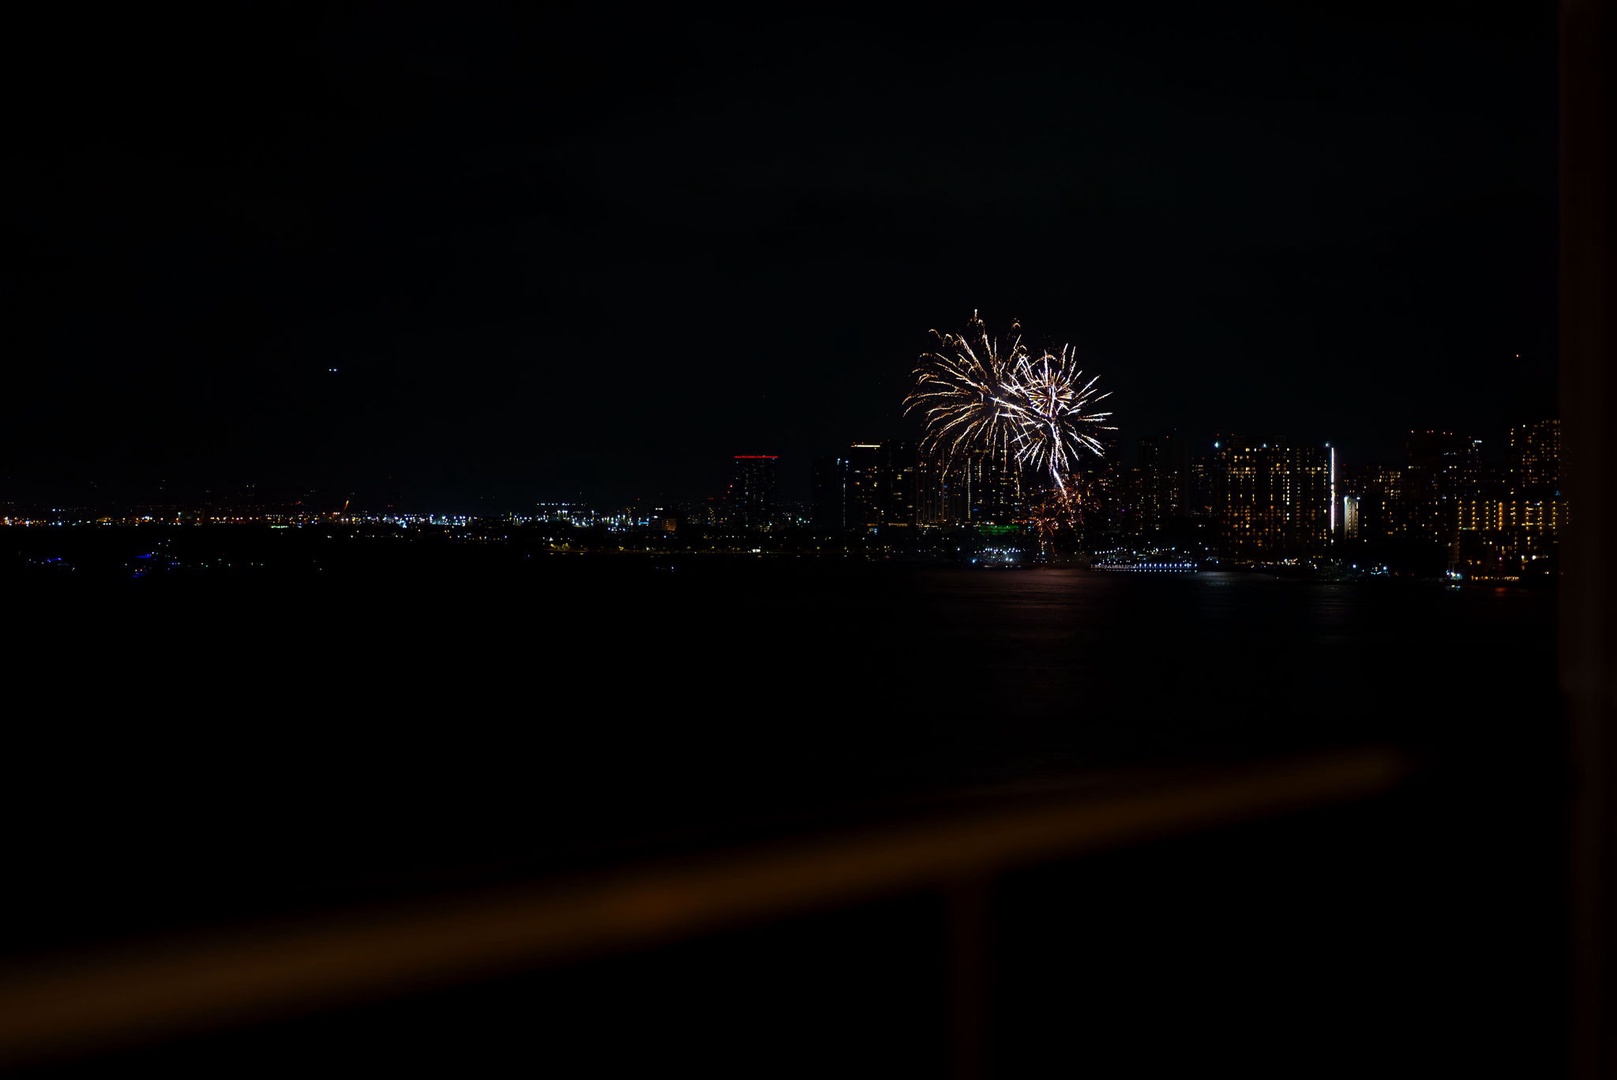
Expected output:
(1332, 449)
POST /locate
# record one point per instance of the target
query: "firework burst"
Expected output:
(964, 390)
(976, 395)
(1051, 410)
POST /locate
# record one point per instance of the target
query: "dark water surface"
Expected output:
(402, 710)
(341, 724)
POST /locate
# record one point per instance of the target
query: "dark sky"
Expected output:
(560, 252)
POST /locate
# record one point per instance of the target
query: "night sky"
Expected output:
(470, 258)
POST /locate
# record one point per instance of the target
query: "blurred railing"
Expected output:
(73, 1006)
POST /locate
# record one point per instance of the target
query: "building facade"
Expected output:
(1272, 500)
(753, 499)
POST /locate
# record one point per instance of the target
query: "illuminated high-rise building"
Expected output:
(982, 488)
(754, 496)
(1504, 533)
(872, 485)
(990, 489)
(1380, 501)
(1442, 467)
(1163, 481)
(1272, 500)
(1349, 526)
(1535, 458)
(828, 493)
(935, 498)
(1448, 461)
(867, 485)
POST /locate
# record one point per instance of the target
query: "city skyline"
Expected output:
(793, 482)
(1250, 504)
(489, 258)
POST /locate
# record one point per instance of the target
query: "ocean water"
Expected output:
(265, 727)
(350, 712)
